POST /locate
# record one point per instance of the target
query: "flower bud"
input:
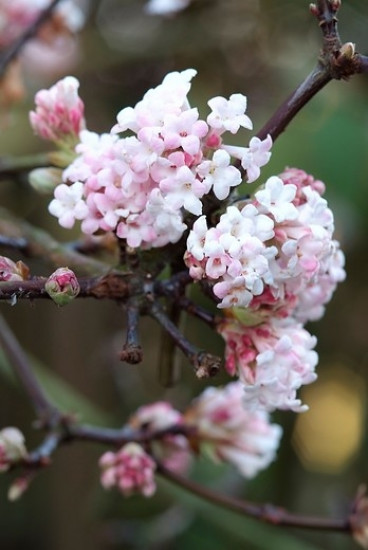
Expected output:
(18, 487)
(62, 286)
(12, 448)
(11, 271)
(348, 50)
(44, 180)
(130, 469)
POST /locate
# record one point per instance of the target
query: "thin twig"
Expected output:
(44, 409)
(132, 352)
(267, 513)
(205, 364)
(15, 48)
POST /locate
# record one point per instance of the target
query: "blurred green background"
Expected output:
(263, 49)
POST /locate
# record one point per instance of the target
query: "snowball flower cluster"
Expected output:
(173, 449)
(142, 186)
(130, 469)
(273, 360)
(273, 254)
(231, 434)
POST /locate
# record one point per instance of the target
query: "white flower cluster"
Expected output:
(140, 185)
(274, 262)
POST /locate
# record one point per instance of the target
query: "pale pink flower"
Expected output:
(301, 179)
(68, 204)
(59, 114)
(228, 114)
(12, 447)
(277, 198)
(218, 173)
(130, 469)
(227, 432)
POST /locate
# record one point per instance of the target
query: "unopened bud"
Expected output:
(314, 9)
(11, 271)
(348, 50)
(335, 5)
(12, 448)
(62, 286)
(18, 487)
(44, 180)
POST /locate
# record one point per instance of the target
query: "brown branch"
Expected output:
(45, 410)
(267, 513)
(132, 352)
(336, 61)
(113, 286)
(205, 364)
(14, 49)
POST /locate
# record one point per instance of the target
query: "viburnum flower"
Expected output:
(172, 450)
(231, 434)
(253, 157)
(12, 447)
(228, 114)
(59, 114)
(130, 469)
(273, 360)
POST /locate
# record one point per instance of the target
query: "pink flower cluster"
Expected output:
(273, 360)
(274, 262)
(173, 449)
(218, 427)
(140, 186)
(130, 469)
(277, 245)
(231, 434)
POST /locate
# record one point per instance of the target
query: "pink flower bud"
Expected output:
(11, 271)
(131, 470)
(59, 112)
(62, 286)
(12, 448)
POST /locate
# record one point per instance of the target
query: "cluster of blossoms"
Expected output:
(140, 186)
(130, 469)
(274, 265)
(219, 427)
